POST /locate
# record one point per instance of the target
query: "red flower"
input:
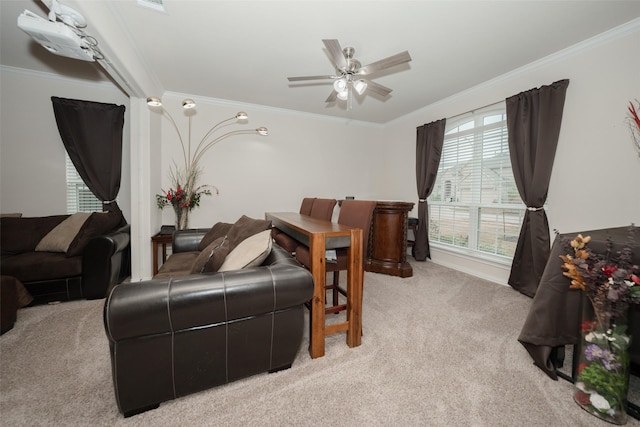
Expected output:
(169, 196)
(588, 325)
(582, 398)
(635, 279)
(608, 270)
(634, 114)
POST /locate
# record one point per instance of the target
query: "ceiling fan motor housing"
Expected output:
(353, 65)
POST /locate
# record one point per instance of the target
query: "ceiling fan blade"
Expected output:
(391, 61)
(378, 88)
(332, 96)
(298, 79)
(335, 51)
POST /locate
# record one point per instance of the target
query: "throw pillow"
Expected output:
(59, 239)
(218, 230)
(98, 224)
(251, 252)
(245, 227)
(212, 257)
(21, 235)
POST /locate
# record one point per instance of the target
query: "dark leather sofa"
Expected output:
(170, 337)
(101, 258)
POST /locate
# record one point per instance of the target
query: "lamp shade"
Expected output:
(242, 115)
(340, 85)
(154, 101)
(360, 86)
(188, 103)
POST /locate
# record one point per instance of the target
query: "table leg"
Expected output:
(317, 267)
(354, 289)
(155, 258)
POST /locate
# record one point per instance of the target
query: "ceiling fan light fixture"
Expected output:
(242, 115)
(154, 101)
(340, 85)
(262, 131)
(188, 104)
(360, 86)
(349, 70)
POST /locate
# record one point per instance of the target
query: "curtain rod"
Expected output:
(475, 109)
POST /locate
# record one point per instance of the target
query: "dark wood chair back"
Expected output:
(323, 209)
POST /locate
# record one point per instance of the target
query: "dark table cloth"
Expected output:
(554, 316)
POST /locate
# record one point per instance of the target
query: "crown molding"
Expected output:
(616, 33)
(54, 76)
(274, 110)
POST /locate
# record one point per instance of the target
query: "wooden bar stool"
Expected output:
(412, 224)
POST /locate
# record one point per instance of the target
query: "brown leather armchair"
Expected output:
(172, 337)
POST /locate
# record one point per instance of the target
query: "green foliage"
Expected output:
(611, 385)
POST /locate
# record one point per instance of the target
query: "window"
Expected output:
(475, 204)
(79, 197)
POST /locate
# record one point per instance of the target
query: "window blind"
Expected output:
(79, 197)
(475, 204)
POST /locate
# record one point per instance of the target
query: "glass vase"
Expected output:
(182, 218)
(603, 370)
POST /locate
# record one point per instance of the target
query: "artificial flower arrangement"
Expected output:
(611, 282)
(184, 195)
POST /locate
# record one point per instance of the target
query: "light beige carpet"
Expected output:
(439, 349)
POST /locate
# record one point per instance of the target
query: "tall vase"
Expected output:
(603, 371)
(182, 218)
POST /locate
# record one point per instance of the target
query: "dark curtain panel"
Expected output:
(430, 138)
(533, 124)
(92, 135)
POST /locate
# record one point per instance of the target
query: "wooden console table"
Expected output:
(320, 235)
(387, 252)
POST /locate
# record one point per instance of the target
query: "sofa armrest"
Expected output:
(105, 262)
(204, 330)
(161, 306)
(187, 240)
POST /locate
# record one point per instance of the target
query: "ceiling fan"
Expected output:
(350, 73)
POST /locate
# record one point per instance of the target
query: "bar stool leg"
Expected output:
(412, 224)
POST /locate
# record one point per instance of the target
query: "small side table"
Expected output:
(164, 239)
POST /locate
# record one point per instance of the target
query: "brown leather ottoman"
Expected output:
(13, 295)
(8, 303)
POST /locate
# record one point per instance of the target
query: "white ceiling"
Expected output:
(245, 50)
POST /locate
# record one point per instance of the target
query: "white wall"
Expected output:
(302, 156)
(596, 175)
(32, 155)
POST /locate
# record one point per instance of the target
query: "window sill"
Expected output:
(493, 268)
